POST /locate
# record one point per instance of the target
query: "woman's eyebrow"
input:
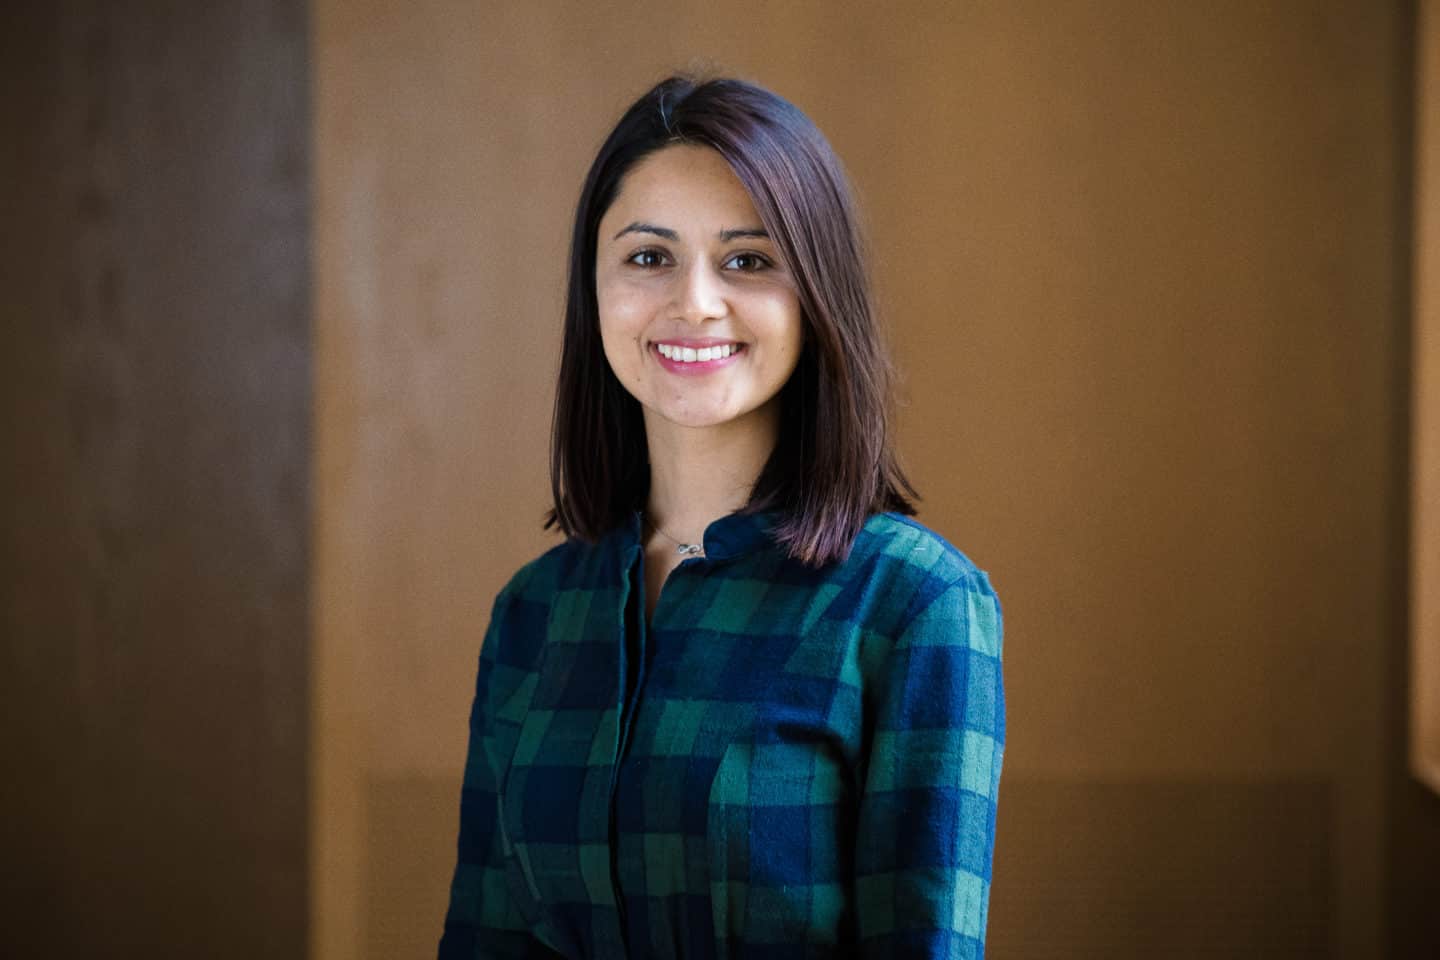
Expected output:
(638, 227)
(725, 235)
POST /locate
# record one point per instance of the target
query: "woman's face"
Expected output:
(698, 315)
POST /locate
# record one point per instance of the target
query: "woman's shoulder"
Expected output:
(521, 612)
(566, 569)
(567, 565)
(933, 593)
(893, 543)
(904, 575)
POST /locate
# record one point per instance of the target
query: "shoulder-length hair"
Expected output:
(833, 465)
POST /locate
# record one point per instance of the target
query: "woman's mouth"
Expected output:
(692, 358)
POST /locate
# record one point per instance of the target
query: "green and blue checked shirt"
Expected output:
(788, 762)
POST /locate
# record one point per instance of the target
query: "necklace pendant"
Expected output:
(689, 549)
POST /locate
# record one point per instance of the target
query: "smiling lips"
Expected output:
(697, 357)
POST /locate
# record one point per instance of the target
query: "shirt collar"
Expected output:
(731, 536)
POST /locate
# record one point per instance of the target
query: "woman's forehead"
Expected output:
(688, 184)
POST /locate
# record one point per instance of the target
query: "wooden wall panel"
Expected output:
(1138, 261)
(154, 434)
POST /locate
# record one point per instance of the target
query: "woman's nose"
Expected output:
(701, 293)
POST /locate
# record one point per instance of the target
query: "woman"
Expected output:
(748, 707)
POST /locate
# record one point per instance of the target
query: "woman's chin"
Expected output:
(699, 419)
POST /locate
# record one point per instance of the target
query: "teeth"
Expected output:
(692, 355)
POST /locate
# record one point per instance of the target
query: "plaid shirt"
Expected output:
(788, 762)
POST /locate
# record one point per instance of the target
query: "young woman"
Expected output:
(748, 707)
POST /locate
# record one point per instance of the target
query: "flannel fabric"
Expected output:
(787, 762)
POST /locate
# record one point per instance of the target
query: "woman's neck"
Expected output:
(699, 474)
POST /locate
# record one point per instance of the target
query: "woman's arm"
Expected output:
(926, 832)
(482, 919)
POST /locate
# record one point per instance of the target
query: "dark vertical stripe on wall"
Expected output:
(155, 377)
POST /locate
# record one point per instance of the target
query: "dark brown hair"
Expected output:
(832, 466)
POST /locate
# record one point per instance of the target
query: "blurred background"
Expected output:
(281, 291)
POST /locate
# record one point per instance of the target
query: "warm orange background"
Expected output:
(1143, 267)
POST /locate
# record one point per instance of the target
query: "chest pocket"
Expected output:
(781, 835)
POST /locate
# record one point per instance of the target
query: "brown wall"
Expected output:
(1139, 261)
(154, 434)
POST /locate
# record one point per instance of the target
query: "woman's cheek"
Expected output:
(624, 313)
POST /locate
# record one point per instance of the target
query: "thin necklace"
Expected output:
(684, 549)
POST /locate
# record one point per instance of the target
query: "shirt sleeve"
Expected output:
(926, 830)
(482, 919)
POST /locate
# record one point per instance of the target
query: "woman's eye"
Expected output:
(749, 262)
(647, 258)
